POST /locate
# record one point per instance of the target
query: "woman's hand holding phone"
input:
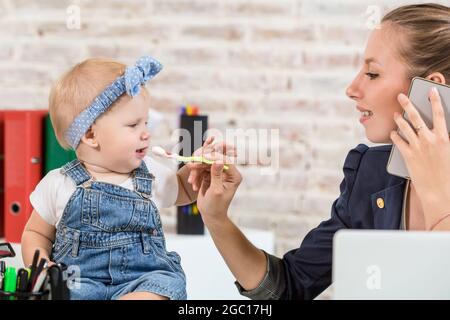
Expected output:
(427, 156)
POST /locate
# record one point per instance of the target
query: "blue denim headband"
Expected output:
(144, 69)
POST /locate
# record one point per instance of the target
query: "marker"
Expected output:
(10, 281)
(40, 267)
(2, 273)
(22, 282)
(56, 282)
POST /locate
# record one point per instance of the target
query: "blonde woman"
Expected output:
(414, 40)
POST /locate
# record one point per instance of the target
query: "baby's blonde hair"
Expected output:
(77, 89)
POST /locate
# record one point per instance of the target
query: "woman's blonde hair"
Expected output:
(77, 89)
(426, 46)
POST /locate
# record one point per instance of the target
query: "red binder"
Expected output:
(23, 145)
(2, 186)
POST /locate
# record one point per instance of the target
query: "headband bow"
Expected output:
(144, 69)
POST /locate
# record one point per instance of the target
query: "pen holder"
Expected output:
(189, 220)
(43, 295)
(48, 284)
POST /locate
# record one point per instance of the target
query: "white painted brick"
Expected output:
(193, 56)
(315, 84)
(62, 54)
(266, 34)
(143, 31)
(16, 74)
(259, 7)
(266, 202)
(317, 203)
(6, 51)
(20, 98)
(293, 227)
(343, 34)
(187, 7)
(115, 9)
(23, 5)
(268, 56)
(254, 221)
(333, 8)
(203, 33)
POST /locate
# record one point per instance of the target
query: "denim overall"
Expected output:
(114, 235)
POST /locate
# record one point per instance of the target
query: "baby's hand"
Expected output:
(212, 151)
(50, 263)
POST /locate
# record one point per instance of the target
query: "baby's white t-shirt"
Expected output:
(52, 193)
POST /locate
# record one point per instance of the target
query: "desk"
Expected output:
(207, 275)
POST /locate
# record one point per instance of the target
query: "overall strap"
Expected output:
(76, 171)
(142, 180)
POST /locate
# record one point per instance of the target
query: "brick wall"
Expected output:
(270, 64)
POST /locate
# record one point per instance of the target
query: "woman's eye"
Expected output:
(371, 75)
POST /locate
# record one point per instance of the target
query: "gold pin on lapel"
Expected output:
(380, 203)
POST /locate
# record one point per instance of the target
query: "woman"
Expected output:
(414, 40)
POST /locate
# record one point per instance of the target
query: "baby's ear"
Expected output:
(89, 138)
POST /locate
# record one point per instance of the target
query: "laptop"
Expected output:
(391, 265)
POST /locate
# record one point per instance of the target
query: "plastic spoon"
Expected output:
(163, 153)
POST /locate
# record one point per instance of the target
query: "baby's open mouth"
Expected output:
(141, 150)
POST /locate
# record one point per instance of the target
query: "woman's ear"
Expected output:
(436, 77)
(89, 138)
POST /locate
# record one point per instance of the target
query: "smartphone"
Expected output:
(418, 95)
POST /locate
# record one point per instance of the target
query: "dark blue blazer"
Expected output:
(308, 268)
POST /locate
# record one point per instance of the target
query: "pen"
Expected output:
(45, 287)
(33, 269)
(40, 267)
(10, 281)
(39, 281)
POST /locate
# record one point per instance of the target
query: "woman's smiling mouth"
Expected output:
(365, 114)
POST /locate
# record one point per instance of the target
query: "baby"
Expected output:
(100, 211)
